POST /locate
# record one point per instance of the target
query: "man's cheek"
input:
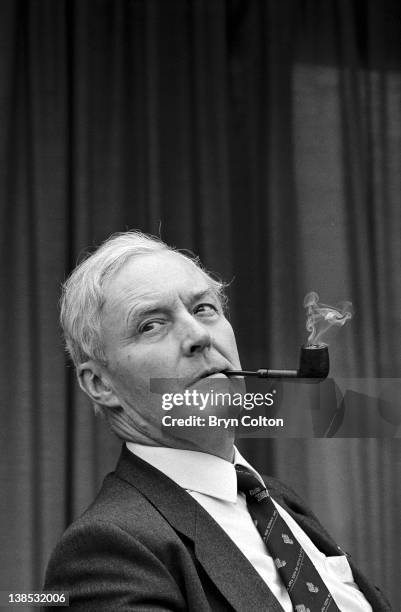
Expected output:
(131, 385)
(231, 337)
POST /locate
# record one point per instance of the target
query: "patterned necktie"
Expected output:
(306, 589)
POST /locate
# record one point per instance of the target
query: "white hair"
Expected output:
(83, 295)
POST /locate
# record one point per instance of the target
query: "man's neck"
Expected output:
(217, 441)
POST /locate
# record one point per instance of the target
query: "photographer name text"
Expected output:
(213, 421)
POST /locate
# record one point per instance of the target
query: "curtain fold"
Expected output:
(263, 136)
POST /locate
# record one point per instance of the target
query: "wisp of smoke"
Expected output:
(321, 317)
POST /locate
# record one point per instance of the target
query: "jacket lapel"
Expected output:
(229, 569)
(222, 560)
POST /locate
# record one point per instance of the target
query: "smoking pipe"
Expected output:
(314, 365)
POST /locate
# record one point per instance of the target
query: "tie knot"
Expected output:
(249, 483)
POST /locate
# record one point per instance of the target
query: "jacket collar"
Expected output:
(216, 552)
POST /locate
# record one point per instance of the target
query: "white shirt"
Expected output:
(212, 482)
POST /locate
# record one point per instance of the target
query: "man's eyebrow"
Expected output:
(138, 311)
(199, 295)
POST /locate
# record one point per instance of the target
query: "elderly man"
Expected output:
(184, 523)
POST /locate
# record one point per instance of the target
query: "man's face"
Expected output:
(163, 320)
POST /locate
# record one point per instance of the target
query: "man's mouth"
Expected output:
(210, 373)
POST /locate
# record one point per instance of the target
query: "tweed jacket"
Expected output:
(145, 544)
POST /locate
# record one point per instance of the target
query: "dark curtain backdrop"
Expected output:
(263, 135)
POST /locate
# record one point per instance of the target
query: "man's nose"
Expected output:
(195, 336)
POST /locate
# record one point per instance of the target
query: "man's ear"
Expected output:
(94, 383)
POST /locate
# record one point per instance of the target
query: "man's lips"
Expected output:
(212, 373)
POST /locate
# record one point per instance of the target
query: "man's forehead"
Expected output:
(154, 277)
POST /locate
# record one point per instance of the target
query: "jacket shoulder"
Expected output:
(120, 554)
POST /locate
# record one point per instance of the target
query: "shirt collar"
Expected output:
(195, 471)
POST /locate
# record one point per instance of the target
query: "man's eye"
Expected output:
(206, 309)
(150, 326)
